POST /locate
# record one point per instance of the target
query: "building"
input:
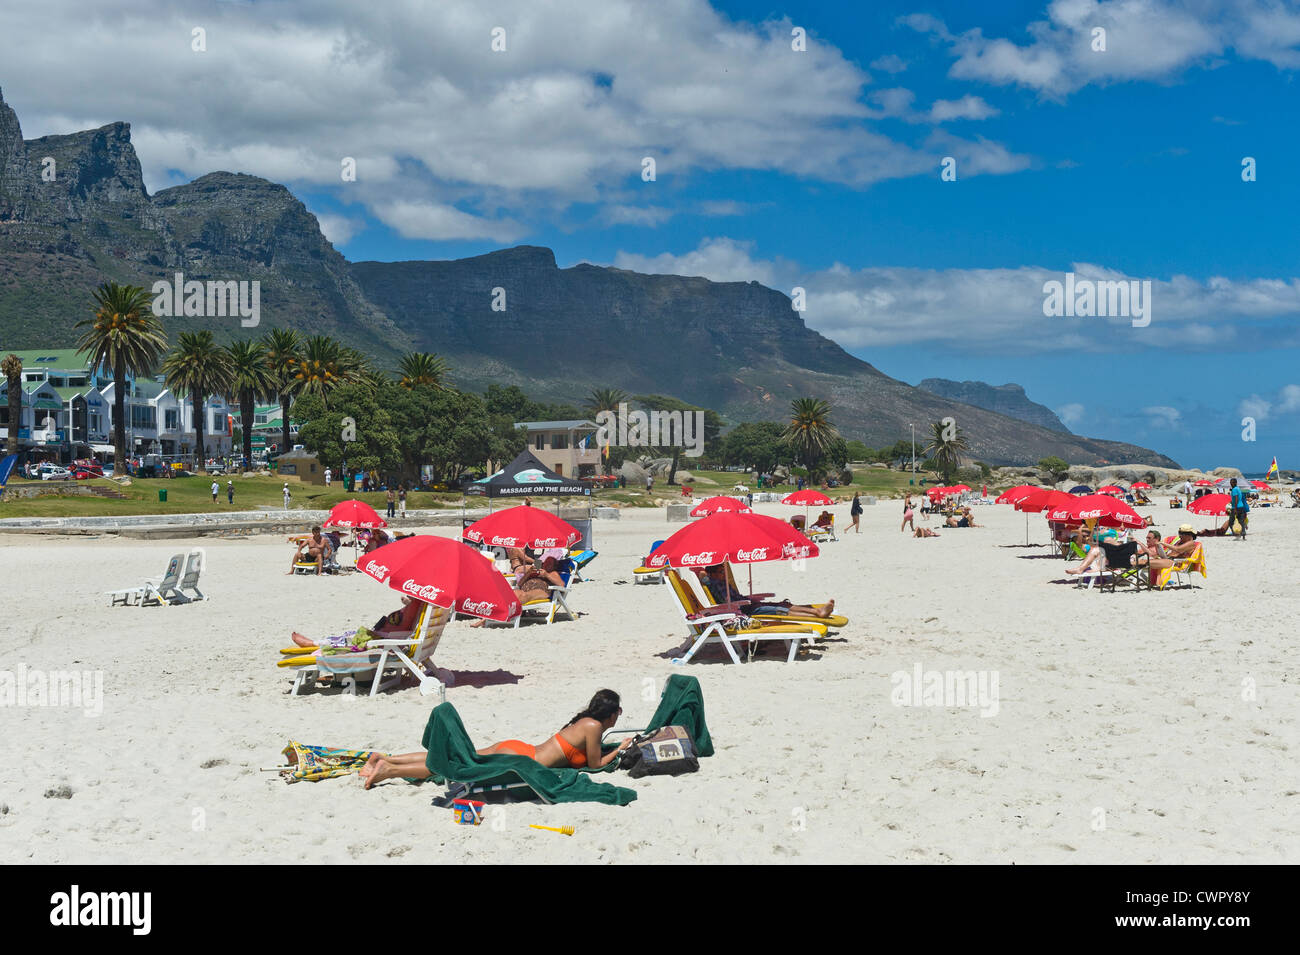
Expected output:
(566, 447)
(158, 421)
(267, 430)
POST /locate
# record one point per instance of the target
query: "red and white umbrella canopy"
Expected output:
(1013, 494)
(1110, 489)
(353, 514)
(445, 573)
(807, 498)
(720, 505)
(1207, 482)
(1210, 504)
(1043, 499)
(959, 487)
(1102, 508)
(1140, 486)
(734, 538)
(1261, 485)
(522, 526)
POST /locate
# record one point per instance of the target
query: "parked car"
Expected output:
(86, 472)
(55, 473)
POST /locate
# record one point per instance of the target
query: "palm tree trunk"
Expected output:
(198, 434)
(119, 417)
(246, 410)
(15, 412)
(284, 424)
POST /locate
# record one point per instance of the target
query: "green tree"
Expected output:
(946, 446)
(422, 368)
(376, 447)
(198, 367)
(125, 337)
(251, 381)
(12, 369)
(810, 431)
(756, 446)
(283, 347)
(666, 403)
(324, 366)
(1055, 468)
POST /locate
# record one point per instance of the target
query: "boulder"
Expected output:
(634, 474)
(684, 477)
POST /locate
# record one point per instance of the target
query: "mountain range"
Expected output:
(74, 213)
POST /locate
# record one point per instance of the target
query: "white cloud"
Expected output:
(1289, 399)
(1286, 401)
(583, 91)
(418, 219)
(889, 63)
(1070, 414)
(1162, 416)
(723, 207)
(1254, 407)
(1150, 40)
(636, 215)
(968, 107)
(339, 229)
(721, 260)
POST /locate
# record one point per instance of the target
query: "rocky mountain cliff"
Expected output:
(1009, 400)
(738, 347)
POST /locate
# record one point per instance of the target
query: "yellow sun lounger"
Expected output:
(834, 621)
(726, 627)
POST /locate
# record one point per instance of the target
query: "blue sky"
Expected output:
(817, 168)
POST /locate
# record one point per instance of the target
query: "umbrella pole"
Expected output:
(1026, 528)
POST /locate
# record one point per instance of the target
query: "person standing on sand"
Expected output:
(1239, 507)
(855, 512)
(909, 515)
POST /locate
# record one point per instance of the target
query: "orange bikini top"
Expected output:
(576, 757)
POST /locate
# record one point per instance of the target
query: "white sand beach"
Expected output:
(1124, 730)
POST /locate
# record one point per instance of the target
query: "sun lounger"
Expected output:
(555, 602)
(1183, 569)
(154, 591)
(649, 575)
(452, 760)
(581, 558)
(834, 621)
(385, 659)
(726, 626)
(194, 564)
(820, 534)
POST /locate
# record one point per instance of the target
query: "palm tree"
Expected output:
(946, 446)
(199, 367)
(325, 365)
(607, 399)
(251, 381)
(422, 368)
(810, 431)
(12, 369)
(125, 337)
(283, 347)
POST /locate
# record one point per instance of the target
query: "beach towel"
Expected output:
(315, 763)
(451, 758)
(1188, 565)
(682, 704)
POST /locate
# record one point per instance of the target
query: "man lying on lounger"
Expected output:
(316, 549)
(714, 580)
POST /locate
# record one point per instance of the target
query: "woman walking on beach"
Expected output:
(576, 745)
(909, 515)
(855, 512)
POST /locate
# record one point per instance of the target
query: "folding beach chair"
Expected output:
(555, 602)
(1183, 569)
(385, 659)
(726, 626)
(819, 534)
(194, 564)
(581, 558)
(649, 575)
(154, 591)
(834, 621)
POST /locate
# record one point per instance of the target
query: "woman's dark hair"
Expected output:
(602, 706)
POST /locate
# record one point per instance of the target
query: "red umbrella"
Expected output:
(1210, 504)
(959, 487)
(1261, 485)
(720, 505)
(445, 573)
(1110, 489)
(808, 498)
(1140, 486)
(1042, 499)
(522, 526)
(1013, 494)
(1101, 508)
(353, 514)
(1206, 482)
(731, 537)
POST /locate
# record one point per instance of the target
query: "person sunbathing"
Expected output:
(576, 745)
(398, 622)
(714, 579)
(963, 518)
(924, 532)
(377, 539)
(533, 582)
(314, 549)
(824, 521)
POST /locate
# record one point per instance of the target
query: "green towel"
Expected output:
(451, 758)
(683, 705)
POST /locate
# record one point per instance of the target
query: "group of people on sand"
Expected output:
(1153, 553)
(959, 518)
(320, 548)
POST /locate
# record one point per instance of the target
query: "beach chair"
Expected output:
(1183, 569)
(834, 621)
(452, 761)
(581, 558)
(553, 604)
(194, 564)
(726, 626)
(384, 659)
(820, 535)
(649, 575)
(159, 591)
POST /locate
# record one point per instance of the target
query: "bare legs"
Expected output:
(380, 767)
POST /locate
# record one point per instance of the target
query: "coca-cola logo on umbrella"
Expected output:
(426, 592)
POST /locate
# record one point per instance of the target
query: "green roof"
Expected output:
(52, 359)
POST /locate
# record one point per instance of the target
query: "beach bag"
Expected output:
(666, 752)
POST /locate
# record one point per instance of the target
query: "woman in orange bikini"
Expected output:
(576, 745)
